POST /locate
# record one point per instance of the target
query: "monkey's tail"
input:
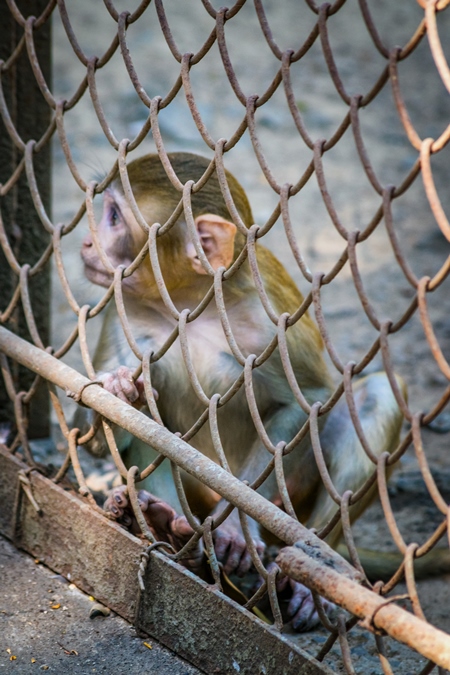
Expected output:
(381, 565)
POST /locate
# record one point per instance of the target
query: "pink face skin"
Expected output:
(114, 235)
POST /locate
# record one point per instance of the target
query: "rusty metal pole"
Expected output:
(312, 561)
(378, 613)
(30, 116)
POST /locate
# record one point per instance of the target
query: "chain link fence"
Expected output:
(301, 553)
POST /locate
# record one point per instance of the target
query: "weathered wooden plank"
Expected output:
(178, 609)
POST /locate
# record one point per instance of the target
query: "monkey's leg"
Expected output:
(134, 452)
(348, 464)
(230, 545)
(349, 468)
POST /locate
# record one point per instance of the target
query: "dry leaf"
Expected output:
(69, 652)
(148, 645)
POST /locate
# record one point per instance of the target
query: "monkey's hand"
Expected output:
(164, 522)
(120, 383)
(301, 609)
(232, 550)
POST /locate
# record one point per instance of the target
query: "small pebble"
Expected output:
(99, 610)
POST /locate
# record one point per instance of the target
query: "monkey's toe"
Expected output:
(167, 525)
(117, 502)
(232, 550)
(302, 610)
(181, 529)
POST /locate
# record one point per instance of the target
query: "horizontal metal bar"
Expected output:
(376, 611)
(191, 460)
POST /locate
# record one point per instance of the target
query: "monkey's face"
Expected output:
(119, 238)
(115, 239)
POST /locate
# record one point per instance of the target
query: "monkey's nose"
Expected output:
(87, 242)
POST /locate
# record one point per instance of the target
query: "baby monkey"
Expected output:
(216, 368)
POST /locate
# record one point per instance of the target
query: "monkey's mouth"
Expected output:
(97, 275)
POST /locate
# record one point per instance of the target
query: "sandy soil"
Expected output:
(355, 200)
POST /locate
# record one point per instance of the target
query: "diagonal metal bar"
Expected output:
(191, 460)
(312, 561)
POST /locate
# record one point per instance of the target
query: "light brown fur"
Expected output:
(214, 363)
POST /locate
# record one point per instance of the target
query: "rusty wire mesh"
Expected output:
(313, 283)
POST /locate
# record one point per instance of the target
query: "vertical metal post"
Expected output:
(30, 115)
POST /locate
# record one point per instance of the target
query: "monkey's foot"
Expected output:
(120, 383)
(163, 521)
(232, 550)
(301, 609)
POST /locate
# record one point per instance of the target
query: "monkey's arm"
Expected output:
(111, 355)
(98, 446)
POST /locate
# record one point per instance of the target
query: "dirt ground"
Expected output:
(391, 154)
(45, 625)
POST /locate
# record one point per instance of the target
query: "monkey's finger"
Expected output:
(160, 516)
(112, 508)
(148, 498)
(222, 542)
(181, 529)
(245, 563)
(120, 394)
(300, 596)
(196, 561)
(126, 386)
(302, 608)
(163, 518)
(119, 495)
(139, 383)
(282, 583)
(108, 381)
(236, 550)
(126, 520)
(260, 547)
(306, 619)
(120, 383)
(116, 502)
(124, 373)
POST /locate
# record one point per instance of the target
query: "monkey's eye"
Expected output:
(114, 217)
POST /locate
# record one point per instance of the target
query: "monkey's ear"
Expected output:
(217, 240)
